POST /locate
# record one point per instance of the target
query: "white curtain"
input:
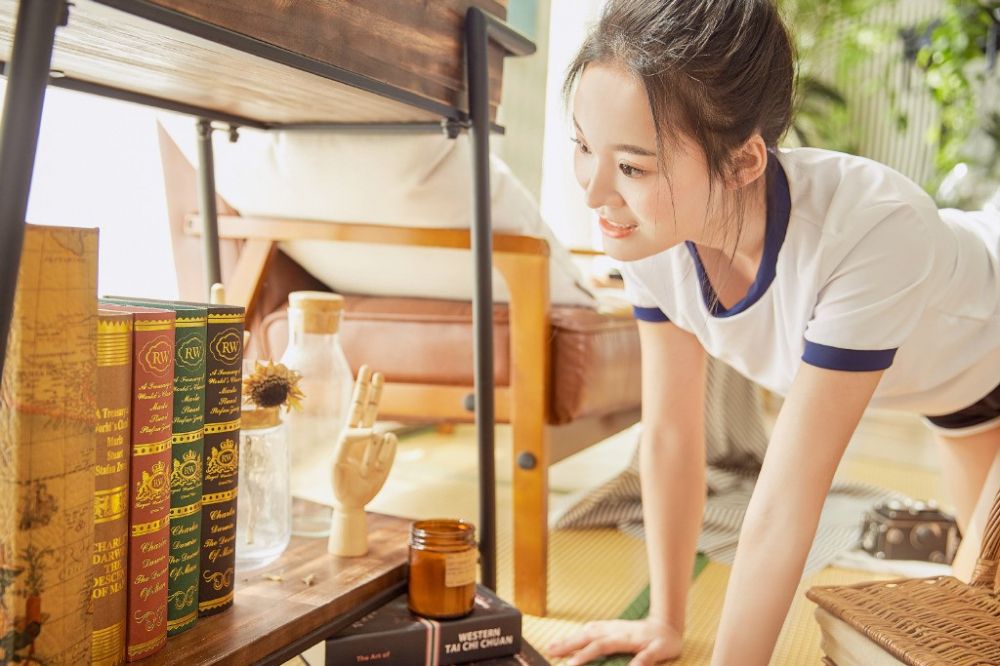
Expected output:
(562, 200)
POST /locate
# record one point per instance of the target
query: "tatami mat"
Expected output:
(595, 574)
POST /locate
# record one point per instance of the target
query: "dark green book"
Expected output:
(187, 451)
(223, 395)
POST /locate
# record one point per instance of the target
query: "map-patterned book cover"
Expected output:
(48, 403)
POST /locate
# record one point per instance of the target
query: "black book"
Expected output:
(528, 656)
(393, 636)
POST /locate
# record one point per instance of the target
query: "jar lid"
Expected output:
(316, 301)
(260, 417)
(442, 532)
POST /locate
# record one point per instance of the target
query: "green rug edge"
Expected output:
(639, 608)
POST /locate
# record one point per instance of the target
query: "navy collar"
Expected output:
(779, 207)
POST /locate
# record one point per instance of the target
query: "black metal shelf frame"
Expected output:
(28, 75)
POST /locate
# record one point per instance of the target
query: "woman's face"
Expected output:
(640, 212)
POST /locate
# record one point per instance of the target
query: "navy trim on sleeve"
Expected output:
(853, 360)
(649, 314)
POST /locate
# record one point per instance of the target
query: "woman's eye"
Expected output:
(631, 171)
(582, 146)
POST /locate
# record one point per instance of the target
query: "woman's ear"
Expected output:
(749, 162)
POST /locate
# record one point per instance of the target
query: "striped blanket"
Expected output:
(735, 440)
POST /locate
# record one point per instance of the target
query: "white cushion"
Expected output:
(418, 180)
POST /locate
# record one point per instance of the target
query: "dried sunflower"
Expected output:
(272, 385)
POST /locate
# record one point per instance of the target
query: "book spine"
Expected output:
(149, 534)
(186, 476)
(114, 392)
(47, 406)
(223, 386)
(405, 647)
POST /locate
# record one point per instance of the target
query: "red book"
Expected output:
(149, 478)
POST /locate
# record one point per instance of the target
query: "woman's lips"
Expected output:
(614, 230)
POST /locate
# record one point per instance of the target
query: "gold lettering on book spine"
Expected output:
(182, 621)
(151, 448)
(114, 340)
(154, 487)
(223, 461)
(105, 645)
(149, 646)
(226, 426)
(225, 318)
(188, 437)
(141, 529)
(215, 603)
(182, 511)
(187, 472)
(110, 504)
(219, 498)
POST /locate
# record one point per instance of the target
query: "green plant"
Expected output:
(954, 64)
(831, 37)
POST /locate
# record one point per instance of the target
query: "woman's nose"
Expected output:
(599, 188)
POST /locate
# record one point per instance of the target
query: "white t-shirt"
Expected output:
(860, 271)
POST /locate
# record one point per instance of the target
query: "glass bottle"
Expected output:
(264, 517)
(314, 352)
(443, 559)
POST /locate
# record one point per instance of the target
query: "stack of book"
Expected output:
(393, 636)
(119, 453)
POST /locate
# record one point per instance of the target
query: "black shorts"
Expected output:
(978, 413)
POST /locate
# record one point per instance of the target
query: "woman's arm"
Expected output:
(816, 422)
(672, 470)
(671, 464)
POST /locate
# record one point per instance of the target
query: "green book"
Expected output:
(188, 452)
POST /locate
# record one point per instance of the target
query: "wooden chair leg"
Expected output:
(527, 280)
(531, 511)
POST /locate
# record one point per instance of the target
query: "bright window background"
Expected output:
(98, 165)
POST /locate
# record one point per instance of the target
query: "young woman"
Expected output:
(824, 277)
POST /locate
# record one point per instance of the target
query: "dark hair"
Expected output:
(716, 70)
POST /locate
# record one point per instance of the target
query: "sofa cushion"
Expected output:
(595, 357)
(422, 180)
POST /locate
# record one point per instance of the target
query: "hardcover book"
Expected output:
(528, 656)
(393, 636)
(186, 470)
(149, 478)
(114, 438)
(48, 402)
(223, 395)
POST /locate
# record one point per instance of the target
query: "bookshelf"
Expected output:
(270, 64)
(296, 601)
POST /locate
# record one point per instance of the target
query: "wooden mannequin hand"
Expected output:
(361, 462)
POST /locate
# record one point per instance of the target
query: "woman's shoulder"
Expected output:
(843, 193)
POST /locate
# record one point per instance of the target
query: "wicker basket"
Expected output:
(929, 621)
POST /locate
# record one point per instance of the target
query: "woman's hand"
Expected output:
(651, 642)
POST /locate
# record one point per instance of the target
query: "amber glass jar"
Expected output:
(443, 559)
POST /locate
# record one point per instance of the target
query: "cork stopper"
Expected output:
(315, 311)
(261, 417)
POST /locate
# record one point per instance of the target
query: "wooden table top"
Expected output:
(276, 614)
